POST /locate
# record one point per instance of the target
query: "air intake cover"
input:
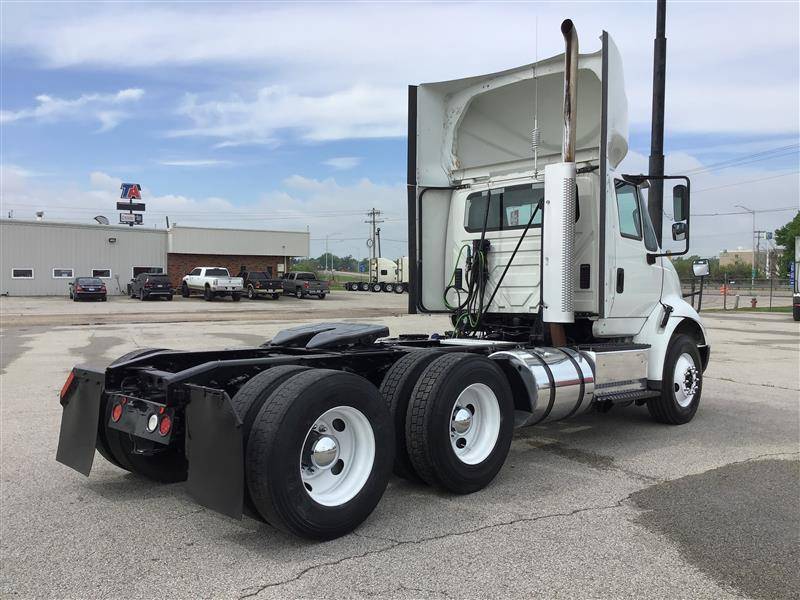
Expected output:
(558, 248)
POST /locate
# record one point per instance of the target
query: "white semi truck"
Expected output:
(561, 302)
(385, 275)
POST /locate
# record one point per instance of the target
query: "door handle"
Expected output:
(620, 280)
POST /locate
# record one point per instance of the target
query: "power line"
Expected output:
(748, 212)
(747, 159)
(718, 187)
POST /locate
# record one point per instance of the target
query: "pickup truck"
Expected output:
(212, 282)
(259, 283)
(302, 284)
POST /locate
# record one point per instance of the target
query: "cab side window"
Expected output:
(630, 218)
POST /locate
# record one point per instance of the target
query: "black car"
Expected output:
(150, 285)
(87, 288)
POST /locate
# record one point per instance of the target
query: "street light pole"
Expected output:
(753, 240)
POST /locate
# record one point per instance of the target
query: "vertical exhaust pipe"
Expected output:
(558, 282)
(570, 90)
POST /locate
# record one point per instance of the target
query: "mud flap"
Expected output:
(214, 450)
(78, 436)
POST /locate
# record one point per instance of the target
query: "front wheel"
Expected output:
(275, 296)
(322, 296)
(459, 423)
(236, 296)
(681, 383)
(319, 454)
(399, 288)
(184, 290)
(298, 293)
(208, 295)
(796, 312)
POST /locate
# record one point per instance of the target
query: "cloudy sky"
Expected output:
(271, 115)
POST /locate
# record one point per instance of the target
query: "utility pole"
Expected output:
(655, 196)
(753, 267)
(373, 221)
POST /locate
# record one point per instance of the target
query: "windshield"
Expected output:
(217, 272)
(89, 281)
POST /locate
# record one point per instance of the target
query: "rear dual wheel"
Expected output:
(458, 420)
(318, 453)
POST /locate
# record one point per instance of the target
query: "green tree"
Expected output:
(784, 236)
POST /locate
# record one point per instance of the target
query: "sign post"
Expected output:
(131, 192)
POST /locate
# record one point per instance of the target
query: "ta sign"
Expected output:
(131, 191)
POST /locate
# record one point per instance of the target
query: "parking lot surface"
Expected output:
(607, 505)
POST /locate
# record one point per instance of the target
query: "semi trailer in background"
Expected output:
(523, 232)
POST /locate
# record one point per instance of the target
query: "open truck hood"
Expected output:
(480, 126)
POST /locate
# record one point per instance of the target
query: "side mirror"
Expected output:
(679, 231)
(700, 268)
(680, 203)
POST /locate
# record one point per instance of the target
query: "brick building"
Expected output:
(39, 258)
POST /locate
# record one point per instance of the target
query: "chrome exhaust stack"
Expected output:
(558, 248)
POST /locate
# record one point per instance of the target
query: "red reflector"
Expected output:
(67, 385)
(116, 413)
(165, 425)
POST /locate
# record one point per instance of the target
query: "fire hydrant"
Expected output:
(753, 302)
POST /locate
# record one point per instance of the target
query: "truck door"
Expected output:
(635, 284)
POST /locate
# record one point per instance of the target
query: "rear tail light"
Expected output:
(78, 288)
(305, 285)
(116, 412)
(148, 285)
(165, 426)
(67, 385)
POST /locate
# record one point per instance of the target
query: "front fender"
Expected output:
(683, 319)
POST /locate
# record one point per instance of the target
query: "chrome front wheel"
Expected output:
(685, 380)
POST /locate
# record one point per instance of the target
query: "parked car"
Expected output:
(150, 285)
(212, 282)
(259, 283)
(87, 288)
(301, 284)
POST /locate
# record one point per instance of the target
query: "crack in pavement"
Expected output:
(395, 543)
(769, 385)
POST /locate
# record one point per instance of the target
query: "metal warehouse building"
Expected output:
(40, 257)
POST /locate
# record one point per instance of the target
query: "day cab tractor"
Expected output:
(561, 297)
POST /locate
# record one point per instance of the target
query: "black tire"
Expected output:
(298, 293)
(142, 297)
(376, 287)
(796, 312)
(321, 296)
(363, 286)
(168, 466)
(75, 298)
(387, 287)
(396, 389)
(169, 298)
(276, 442)
(399, 288)
(275, 296)
(251, 293)
(429, 416)
(184, 290)
(208, 295)
(666, 408)
(104, 299)
(247, 402)
(236, 296)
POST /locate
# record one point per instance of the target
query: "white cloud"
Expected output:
(197, 162)
(721, 72)
(358, 112)
(342, 163)
(100, 107)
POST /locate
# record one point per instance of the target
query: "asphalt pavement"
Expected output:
(605, 506)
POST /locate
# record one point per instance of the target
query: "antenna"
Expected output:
(535, 133)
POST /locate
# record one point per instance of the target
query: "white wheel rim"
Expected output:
(474, 424)
(685, 380)
(337, 456)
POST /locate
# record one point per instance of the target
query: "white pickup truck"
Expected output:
(212, 282)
